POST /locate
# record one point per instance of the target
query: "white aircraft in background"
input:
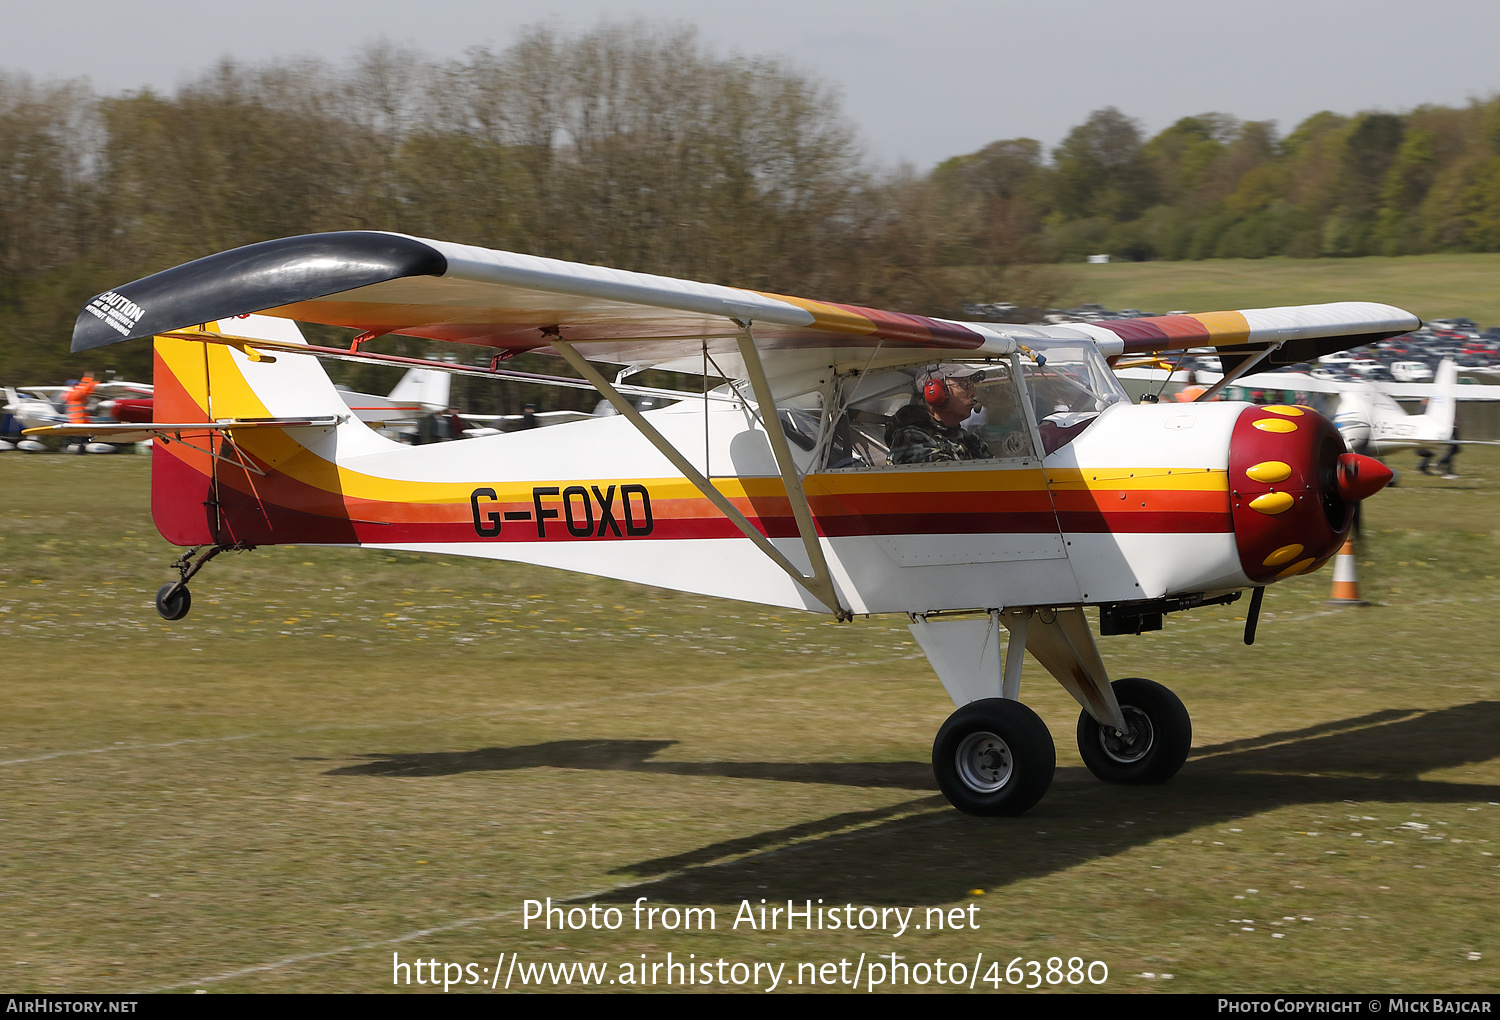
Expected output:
(1369, 417)
(40, 406)
(420, 392)
(1367, 414)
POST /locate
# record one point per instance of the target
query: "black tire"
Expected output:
(1161, 734)
(173, 606)
(994, 757)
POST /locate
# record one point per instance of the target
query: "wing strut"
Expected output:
(819, 583)
(1238, 370)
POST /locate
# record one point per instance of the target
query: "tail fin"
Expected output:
(1443, 405)
(425, 386)
(217, 488)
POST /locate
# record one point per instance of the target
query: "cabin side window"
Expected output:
(937, 413)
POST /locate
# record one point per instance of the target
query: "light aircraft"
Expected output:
(421, 391)
(492, 424)
(1365, 412)
(1370, 419)
(788, 480)
(39, 406)
(36, 406)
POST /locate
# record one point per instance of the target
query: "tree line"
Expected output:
(1211, 186)
(639, 148)
(623, 146)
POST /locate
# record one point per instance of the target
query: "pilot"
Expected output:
(929, 429)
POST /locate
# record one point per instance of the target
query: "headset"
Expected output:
(937, 391)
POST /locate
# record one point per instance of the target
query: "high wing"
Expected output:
(382, 283)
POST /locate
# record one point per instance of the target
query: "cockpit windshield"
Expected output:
(967, 411)
(1071, 379)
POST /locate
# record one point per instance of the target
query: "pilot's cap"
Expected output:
(957, 371)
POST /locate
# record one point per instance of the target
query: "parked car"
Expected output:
(1411, 371)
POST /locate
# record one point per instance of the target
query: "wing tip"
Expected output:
(251, 278)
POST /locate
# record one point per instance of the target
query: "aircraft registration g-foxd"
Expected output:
(839, 459)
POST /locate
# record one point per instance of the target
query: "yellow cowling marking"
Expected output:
(1286, 409)
(1281, 555)
(1296, 568)
(1228, 328)
(1273, 502)
(1269, 471)
(1275, 425)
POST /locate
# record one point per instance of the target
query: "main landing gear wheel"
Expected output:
(1156, 744)
(173, 605)
(994, 757)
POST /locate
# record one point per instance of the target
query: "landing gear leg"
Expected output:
(174, 600)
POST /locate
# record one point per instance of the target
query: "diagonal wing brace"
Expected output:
(819, 583)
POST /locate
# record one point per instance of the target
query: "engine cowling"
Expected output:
(1293, 485)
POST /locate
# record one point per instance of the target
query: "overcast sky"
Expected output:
(921, 81)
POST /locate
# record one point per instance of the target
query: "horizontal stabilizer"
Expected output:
(119, 431)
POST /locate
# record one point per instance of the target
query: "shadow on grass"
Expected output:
(921, 851)
(635, 756)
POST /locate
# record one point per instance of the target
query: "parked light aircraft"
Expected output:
(421, 391)
(789, 483)
(35, 407)
(1365, 412)
(1370, 419)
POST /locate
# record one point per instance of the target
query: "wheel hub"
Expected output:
(1132, 745)
(984, 761)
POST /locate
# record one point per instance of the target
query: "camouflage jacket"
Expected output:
(915, 438)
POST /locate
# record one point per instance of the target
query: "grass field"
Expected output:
(1431, 286)
(343, 755)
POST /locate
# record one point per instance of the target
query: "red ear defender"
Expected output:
(935, 392)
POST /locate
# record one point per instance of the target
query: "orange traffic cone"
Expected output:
(1346, 577)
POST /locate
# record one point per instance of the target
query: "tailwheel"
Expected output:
(1152, 749)
(994, 757)
(173, 605)
(173, 600)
